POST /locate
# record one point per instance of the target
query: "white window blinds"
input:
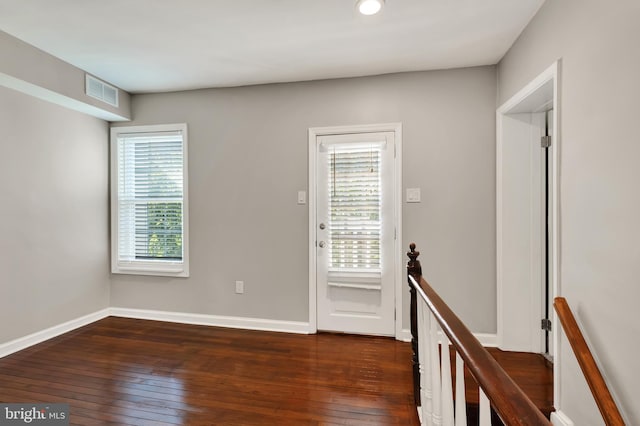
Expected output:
(150, 200)
(354, 207)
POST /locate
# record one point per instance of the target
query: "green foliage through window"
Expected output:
(162, 235)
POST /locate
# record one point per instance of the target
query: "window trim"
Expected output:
(156, 267)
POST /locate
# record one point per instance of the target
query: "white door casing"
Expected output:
(363, 293)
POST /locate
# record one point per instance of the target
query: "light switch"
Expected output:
(302, 197)
(413, 195)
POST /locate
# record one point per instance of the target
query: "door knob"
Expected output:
(321, 244)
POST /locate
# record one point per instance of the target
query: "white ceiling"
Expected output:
(168, 45)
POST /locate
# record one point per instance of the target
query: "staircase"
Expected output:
(458, 382)
(533, 373)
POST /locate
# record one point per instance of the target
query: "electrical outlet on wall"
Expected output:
(239, 287)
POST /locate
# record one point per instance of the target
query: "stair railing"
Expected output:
(607, 406)
(433, 392)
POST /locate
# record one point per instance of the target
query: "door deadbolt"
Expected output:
(322, 226)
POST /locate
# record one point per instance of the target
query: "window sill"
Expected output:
(180, 271)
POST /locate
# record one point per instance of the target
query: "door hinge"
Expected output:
(545, 324)
(545, 141)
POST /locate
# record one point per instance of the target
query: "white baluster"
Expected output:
(421, 354)
(435, 372)
(485, 409)
(461, 398)
(447, 387)
(426, 403)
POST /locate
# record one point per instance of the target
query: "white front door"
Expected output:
(355, 233)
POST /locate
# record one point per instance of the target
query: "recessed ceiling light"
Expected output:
(369, 7)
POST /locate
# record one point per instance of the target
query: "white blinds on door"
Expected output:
(354, 206)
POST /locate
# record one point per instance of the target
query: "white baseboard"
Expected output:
(214, 320)
(404, 335)
(40, 336)
(297, 327)
(486, 339)
(558, 418)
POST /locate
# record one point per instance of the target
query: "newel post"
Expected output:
(414, 269)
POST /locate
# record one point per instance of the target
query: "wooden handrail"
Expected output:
(507, 399)
(599, 389)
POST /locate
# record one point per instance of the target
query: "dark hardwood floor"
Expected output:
(134, 372)
(531, 372)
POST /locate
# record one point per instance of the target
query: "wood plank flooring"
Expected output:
(134, 372)
(531, 372)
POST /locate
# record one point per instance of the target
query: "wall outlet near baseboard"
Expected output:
(239, 287)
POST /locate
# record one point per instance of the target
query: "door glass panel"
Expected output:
(354, 205)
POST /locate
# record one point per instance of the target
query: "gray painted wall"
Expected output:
(248, 158)
(54, 249)
(599, 198)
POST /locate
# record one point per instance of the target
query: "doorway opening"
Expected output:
(527, 216)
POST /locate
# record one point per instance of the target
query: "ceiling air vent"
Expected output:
(100, 90)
